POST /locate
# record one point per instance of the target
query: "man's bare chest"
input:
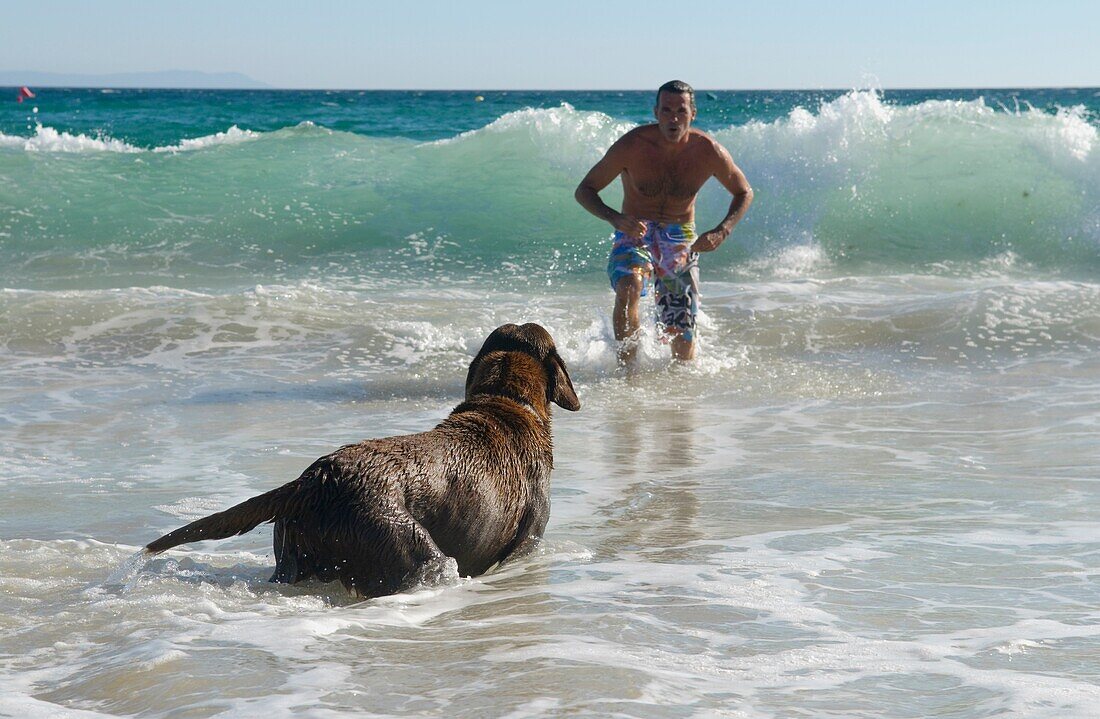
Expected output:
(659, 177)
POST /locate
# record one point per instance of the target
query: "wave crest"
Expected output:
(557, 134)
(234, 135)
(49, 139)
(932, 182)
(852, 184)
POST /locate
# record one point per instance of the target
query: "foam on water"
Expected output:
(784, 590)
(868, 181)
(558, 133)
(48, 139)
(234, 135)
(744, 577)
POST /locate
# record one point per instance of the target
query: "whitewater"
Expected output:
(874, 494)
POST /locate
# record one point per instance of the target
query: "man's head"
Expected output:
(675, 109)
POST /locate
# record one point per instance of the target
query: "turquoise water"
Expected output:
(207, 189)
(874, 494)
(152, 118)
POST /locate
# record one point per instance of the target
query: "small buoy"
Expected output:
(479, 98)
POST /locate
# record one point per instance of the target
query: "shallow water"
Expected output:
(831, 519)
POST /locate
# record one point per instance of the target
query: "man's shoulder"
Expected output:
(707, 147)
(636, 141)
(641, 133)
(703, 139)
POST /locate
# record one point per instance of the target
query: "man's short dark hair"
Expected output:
(678, 87)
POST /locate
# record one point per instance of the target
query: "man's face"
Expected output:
(674, 115)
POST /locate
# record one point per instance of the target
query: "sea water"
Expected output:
(875, 494)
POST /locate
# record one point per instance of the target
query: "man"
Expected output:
(663, 166)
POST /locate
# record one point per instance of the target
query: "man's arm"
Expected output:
(610, 166)
(731, 177)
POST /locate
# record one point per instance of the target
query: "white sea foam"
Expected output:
(559, 135)
(233, 136)
(792, 261)
(794, 555)
(48, 139)
(1066, 135)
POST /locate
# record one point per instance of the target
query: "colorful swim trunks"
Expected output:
(663, 254)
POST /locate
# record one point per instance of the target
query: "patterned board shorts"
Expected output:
(663, 254)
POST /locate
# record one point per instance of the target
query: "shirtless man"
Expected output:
(663, 166)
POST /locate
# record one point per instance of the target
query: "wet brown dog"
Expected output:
(476, 487)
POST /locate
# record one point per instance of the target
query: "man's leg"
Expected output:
(683, 349)
(677, 307)
(625, 318)
(678, 304)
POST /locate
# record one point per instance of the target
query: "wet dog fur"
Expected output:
(373, 515)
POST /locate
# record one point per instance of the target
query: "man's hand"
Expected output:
(630, 226)
(709, 241)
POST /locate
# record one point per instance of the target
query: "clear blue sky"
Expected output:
(568, 44)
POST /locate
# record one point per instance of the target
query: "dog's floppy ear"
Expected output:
(559, 388)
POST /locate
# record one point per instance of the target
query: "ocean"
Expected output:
(875, 493)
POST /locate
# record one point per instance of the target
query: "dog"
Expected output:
(376, 514)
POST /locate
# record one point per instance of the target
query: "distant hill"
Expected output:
(167, 78)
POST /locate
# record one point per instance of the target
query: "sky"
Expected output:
(568, 44)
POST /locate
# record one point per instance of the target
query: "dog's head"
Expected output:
(543, 380)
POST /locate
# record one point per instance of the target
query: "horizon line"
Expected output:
(555, 89)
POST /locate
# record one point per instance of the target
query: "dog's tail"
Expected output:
(238, 519)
